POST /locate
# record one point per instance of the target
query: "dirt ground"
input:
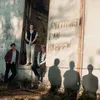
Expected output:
(18, 94)
(12, 93)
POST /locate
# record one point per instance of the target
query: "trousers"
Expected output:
(9, 67)
(30, 49)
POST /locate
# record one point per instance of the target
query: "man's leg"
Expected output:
(34, 68)
(6, 73)
(41, 74)
(28, 53)
(13, 70)
(32, 53)
(53, 88)
(42, 71)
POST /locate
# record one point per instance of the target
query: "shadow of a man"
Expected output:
(71, 81)
(90, 83)
(54, 76)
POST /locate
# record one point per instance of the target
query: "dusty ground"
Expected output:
(17, 94)
(12, 93)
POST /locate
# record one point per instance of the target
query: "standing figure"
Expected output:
(90, 83)
(40, 63)
(31, 38)
(11, 59)
(72, 81)
(54, 76)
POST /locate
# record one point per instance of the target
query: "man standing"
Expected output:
(11, 59)
(90, 83)
(54, 76)
(72, 81)
(30, 37)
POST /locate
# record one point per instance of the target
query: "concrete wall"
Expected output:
(63, 39)
(39, 19)
(11, 21)
(91, 50)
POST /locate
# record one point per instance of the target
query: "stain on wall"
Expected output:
(11, 21)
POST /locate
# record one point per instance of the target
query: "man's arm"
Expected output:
(83, 83)
(6, 56)
(18, 57)
(43, 62)
(38, 56)
(44, 59)
(79, 78)
(26, 37)
(49, 74)
(35, 38)
(96, 84)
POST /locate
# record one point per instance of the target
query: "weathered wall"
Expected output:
(91, 50)
(39, 18)
(11, 21)
(36, 12)
(63, 35)
(91, 36)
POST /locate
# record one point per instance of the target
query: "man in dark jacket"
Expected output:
(11, 59)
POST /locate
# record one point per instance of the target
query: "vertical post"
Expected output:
(22, 49)
(81, 36)
(30, 10)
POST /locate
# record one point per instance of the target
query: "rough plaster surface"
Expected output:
(11, 21)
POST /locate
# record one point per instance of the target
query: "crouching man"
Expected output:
(40, 64)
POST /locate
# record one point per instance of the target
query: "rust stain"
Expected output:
(79, 64)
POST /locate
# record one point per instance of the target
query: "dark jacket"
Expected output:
(8, 56)
(29, 35)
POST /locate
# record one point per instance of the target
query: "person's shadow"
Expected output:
(71, 81)
(54, 76)
(90, 84)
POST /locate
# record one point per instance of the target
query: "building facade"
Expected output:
(71, 32)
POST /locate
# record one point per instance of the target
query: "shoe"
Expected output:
(28, 64)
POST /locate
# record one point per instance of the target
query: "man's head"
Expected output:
(90, 68)
(72, 65)
(56, 62)
(43, 48)
(31, 27)
(13, 46)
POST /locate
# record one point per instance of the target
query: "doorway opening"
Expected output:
(35, 12)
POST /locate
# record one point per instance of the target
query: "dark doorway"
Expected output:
(35, 12)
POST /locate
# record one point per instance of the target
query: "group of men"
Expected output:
(12, 57)
(71, 77)
(72, 81)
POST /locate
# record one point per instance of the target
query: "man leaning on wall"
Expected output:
(31, 38)
(11, 59)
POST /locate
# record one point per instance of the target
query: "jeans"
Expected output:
(41, 73)
(9, 67)
(30, 49)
